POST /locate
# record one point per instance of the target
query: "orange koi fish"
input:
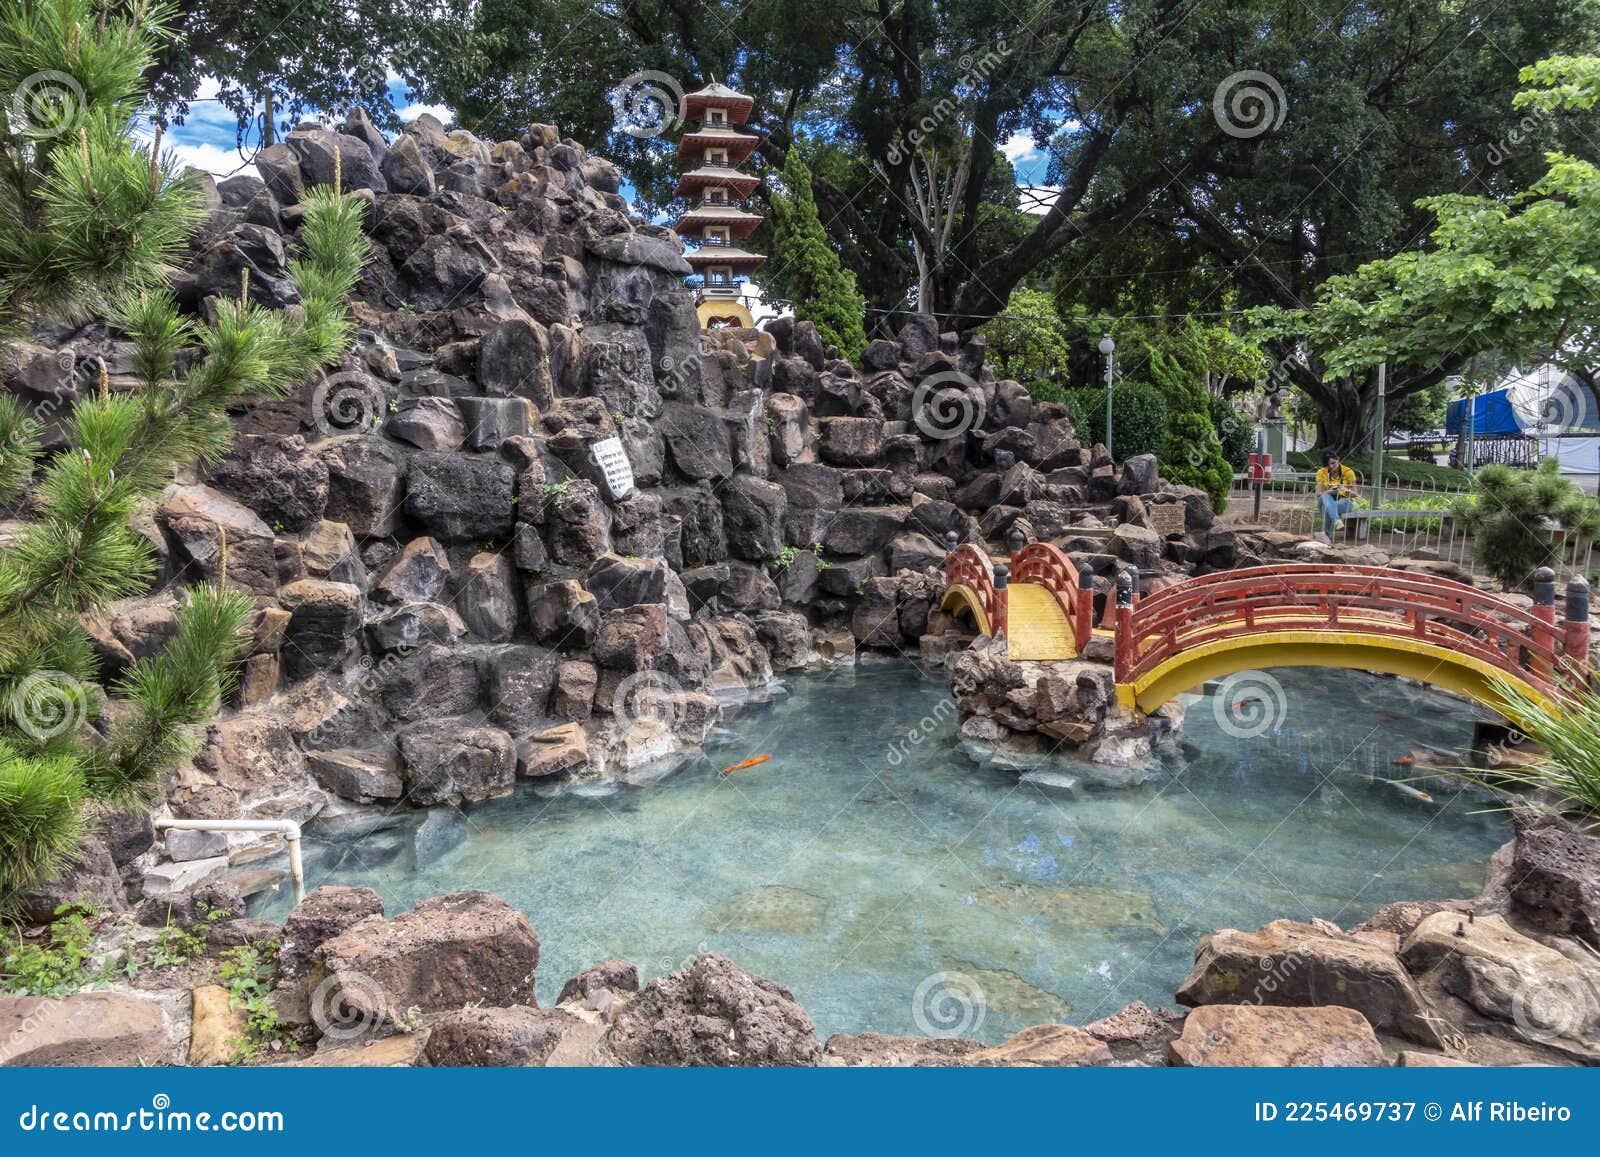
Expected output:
(747, 763)
(1403, 761)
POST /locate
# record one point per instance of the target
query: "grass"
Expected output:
(1397, 471)
(1567, 778)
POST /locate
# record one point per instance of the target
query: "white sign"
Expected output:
(613, 462)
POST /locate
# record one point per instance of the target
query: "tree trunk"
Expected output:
(1344, 423)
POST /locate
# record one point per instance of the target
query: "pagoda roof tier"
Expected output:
(740, 224)
(695, 142)
(740, 259)
(711, 176)
(716, 95)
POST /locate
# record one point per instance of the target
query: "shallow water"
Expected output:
(869, 855)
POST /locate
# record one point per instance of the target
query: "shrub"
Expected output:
(1043, 390)
(1138, 415)
(1190, 453)
(1568, 771)
(1237, 435)
(1512, 514)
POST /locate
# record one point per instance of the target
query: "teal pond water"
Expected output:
(861, 860)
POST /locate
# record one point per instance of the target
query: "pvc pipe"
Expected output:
(288, 829)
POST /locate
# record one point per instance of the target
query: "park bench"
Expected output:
(1358, 523)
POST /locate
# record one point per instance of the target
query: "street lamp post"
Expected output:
(1108, 347)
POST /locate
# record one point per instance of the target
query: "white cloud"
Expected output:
(219, 162)
(1019, 147)
(1037, 199)
(412, 111)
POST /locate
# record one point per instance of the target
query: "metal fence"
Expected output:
(1289, 503)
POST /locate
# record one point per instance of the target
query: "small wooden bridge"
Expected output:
(1042, 602)
(1369, 618)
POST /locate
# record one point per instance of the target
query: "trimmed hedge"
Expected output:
(1138, 417)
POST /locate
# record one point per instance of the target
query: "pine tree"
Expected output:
(823, 290)
(101, 218)
(1191, 453)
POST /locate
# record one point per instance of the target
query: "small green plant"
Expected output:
(822, 563)
(58, 967)
(248, 972)
(616, 416)
(772, 428)
(785, 558)
(176, 944)
(861, 587)
(556, 493)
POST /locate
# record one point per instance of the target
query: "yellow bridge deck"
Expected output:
(1037, 628)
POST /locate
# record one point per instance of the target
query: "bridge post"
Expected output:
(1576, 642)
(951, 541)
(1544, 610)
(1002, 577)
(1126, 582)
(1018, 540)
(1083, 627)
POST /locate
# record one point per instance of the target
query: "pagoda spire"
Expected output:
(713, 148)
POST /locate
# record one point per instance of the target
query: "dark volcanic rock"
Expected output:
(713, 1013)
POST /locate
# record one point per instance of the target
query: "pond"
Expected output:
(898, 886)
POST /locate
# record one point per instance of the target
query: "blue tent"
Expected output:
(1492, 414)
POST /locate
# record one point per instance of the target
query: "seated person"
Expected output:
(1336, 494)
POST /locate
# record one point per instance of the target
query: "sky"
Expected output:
(208, 142)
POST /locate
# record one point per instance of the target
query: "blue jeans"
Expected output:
(1333, 509)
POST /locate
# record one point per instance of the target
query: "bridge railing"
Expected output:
(1361, 600)
(969, 566)
(1070, 583)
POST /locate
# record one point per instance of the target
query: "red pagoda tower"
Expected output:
(716, 149)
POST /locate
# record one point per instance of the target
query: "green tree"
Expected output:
(64, 741)
(1511, 513)
(1517, 275)
(1191, 453)
(1028, 341)
(807, 270)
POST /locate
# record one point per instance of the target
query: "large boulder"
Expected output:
(86, 1028)
(200, 520)
(460, 498)
(618, 582)
(1550, 996)
(713, 1013)
(277, 477)
(92, 878)
(753, 511)
(1235, 1035)
(451, 761)
(514, 359)
(365, 483)
(434, 680)
(321, 916)
(449, 952)
(697, 441)
(323, 618)
(1289, 963)
(1045, 1045)
(518, 1036)
(1555, 880)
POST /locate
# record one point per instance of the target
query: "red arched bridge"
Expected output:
(1369, 618)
